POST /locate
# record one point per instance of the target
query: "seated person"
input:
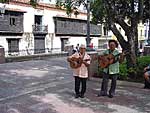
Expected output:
(147, 76)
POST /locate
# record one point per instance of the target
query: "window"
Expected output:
(38, 20)
(141, 33)
(120, 29)
(141, 46)
(105, 31)
(13, 45)
(12, 21)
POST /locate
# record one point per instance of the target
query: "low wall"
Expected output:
(93, 68)
(34, 57)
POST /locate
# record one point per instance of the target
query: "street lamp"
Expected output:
(86, 4)
(148, 40)
(88, 23)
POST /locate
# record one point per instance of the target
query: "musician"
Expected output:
(147, 76)
(81, 73)
(112, 70)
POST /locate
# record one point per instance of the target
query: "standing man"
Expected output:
(112, 70)
(80, 73)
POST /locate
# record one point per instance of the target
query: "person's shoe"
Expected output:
(81, 96)
(110, 96)
(77, 96)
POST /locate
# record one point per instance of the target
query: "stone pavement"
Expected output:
(47, 86)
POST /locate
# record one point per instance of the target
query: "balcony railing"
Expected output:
(40, 28)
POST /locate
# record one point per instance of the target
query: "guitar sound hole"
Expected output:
(78, 62)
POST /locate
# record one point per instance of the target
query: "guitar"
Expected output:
(106, 60)
(76, 62)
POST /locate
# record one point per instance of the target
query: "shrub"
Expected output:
(136, 73)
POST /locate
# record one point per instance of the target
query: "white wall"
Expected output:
(51, 40)
(77, 40)
(3, 42)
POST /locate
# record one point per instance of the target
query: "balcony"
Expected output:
(40, 29)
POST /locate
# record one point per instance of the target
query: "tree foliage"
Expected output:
(125, 13)
(4, 1)
(71, 6)
(146, 9)
(34, 3)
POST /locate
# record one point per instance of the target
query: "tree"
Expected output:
(34, 3)
(112, 12)
(69, 5)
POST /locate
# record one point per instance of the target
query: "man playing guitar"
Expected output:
(111, 70)
(81, 61)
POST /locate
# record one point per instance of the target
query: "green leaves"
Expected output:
(33, 3)
(146, 9)
(69, 5)
(98, 11)
(4, 1)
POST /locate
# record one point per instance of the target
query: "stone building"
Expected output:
(27, 30)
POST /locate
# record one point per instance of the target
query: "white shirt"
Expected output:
(83, 70)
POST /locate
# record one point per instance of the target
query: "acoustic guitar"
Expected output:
(106, 60)
(76, 62)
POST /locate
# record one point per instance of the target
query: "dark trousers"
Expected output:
(79, 81)
(104, 86)
(147, 84)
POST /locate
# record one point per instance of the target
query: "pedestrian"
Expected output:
(77, 48)
(91, 46)
(111, 70)
(80, 73)
(147, 77)
(71, 50)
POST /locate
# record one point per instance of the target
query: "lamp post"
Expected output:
(148, 40)
(88, 23)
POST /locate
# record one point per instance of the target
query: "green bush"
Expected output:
(136, 73)
(123, 71)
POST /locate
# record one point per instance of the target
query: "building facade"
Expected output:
(27, 30)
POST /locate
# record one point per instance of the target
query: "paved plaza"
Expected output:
(47, 86)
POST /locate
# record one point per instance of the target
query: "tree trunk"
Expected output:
(132, 48)
(128, 46)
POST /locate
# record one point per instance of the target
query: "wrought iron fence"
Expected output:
(40, 28)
